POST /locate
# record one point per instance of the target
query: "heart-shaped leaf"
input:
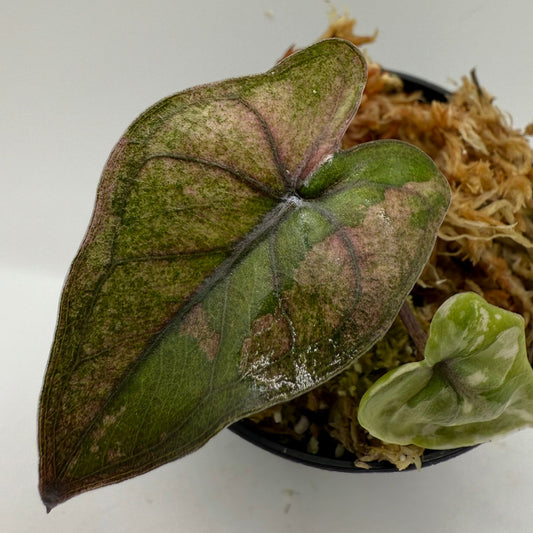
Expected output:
(475, 383)
(232, 262)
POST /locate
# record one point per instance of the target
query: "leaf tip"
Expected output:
(51, 496)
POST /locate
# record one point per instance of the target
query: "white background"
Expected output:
(73, 75)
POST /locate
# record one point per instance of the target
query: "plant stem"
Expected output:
(417, 334)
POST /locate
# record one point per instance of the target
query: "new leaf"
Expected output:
(475, 383)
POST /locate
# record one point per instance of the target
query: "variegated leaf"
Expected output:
(475, 383)
(234, 260)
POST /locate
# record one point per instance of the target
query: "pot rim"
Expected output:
(266, 442)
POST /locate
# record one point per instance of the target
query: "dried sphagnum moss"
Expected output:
(485, 243)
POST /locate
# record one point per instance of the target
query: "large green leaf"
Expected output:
(475, 383)
(232, 262)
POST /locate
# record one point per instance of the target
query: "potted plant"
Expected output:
(237, 258)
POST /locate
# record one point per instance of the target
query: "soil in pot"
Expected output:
(485, 245)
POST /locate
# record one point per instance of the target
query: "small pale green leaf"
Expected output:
(233, 261)
(475, 383)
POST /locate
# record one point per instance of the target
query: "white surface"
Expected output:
(73, 76)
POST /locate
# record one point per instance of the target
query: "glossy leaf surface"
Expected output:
(233, 261)
(475, 383)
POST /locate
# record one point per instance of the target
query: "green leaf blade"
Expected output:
(210, 285)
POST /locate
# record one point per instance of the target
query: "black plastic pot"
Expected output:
(280, 445)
